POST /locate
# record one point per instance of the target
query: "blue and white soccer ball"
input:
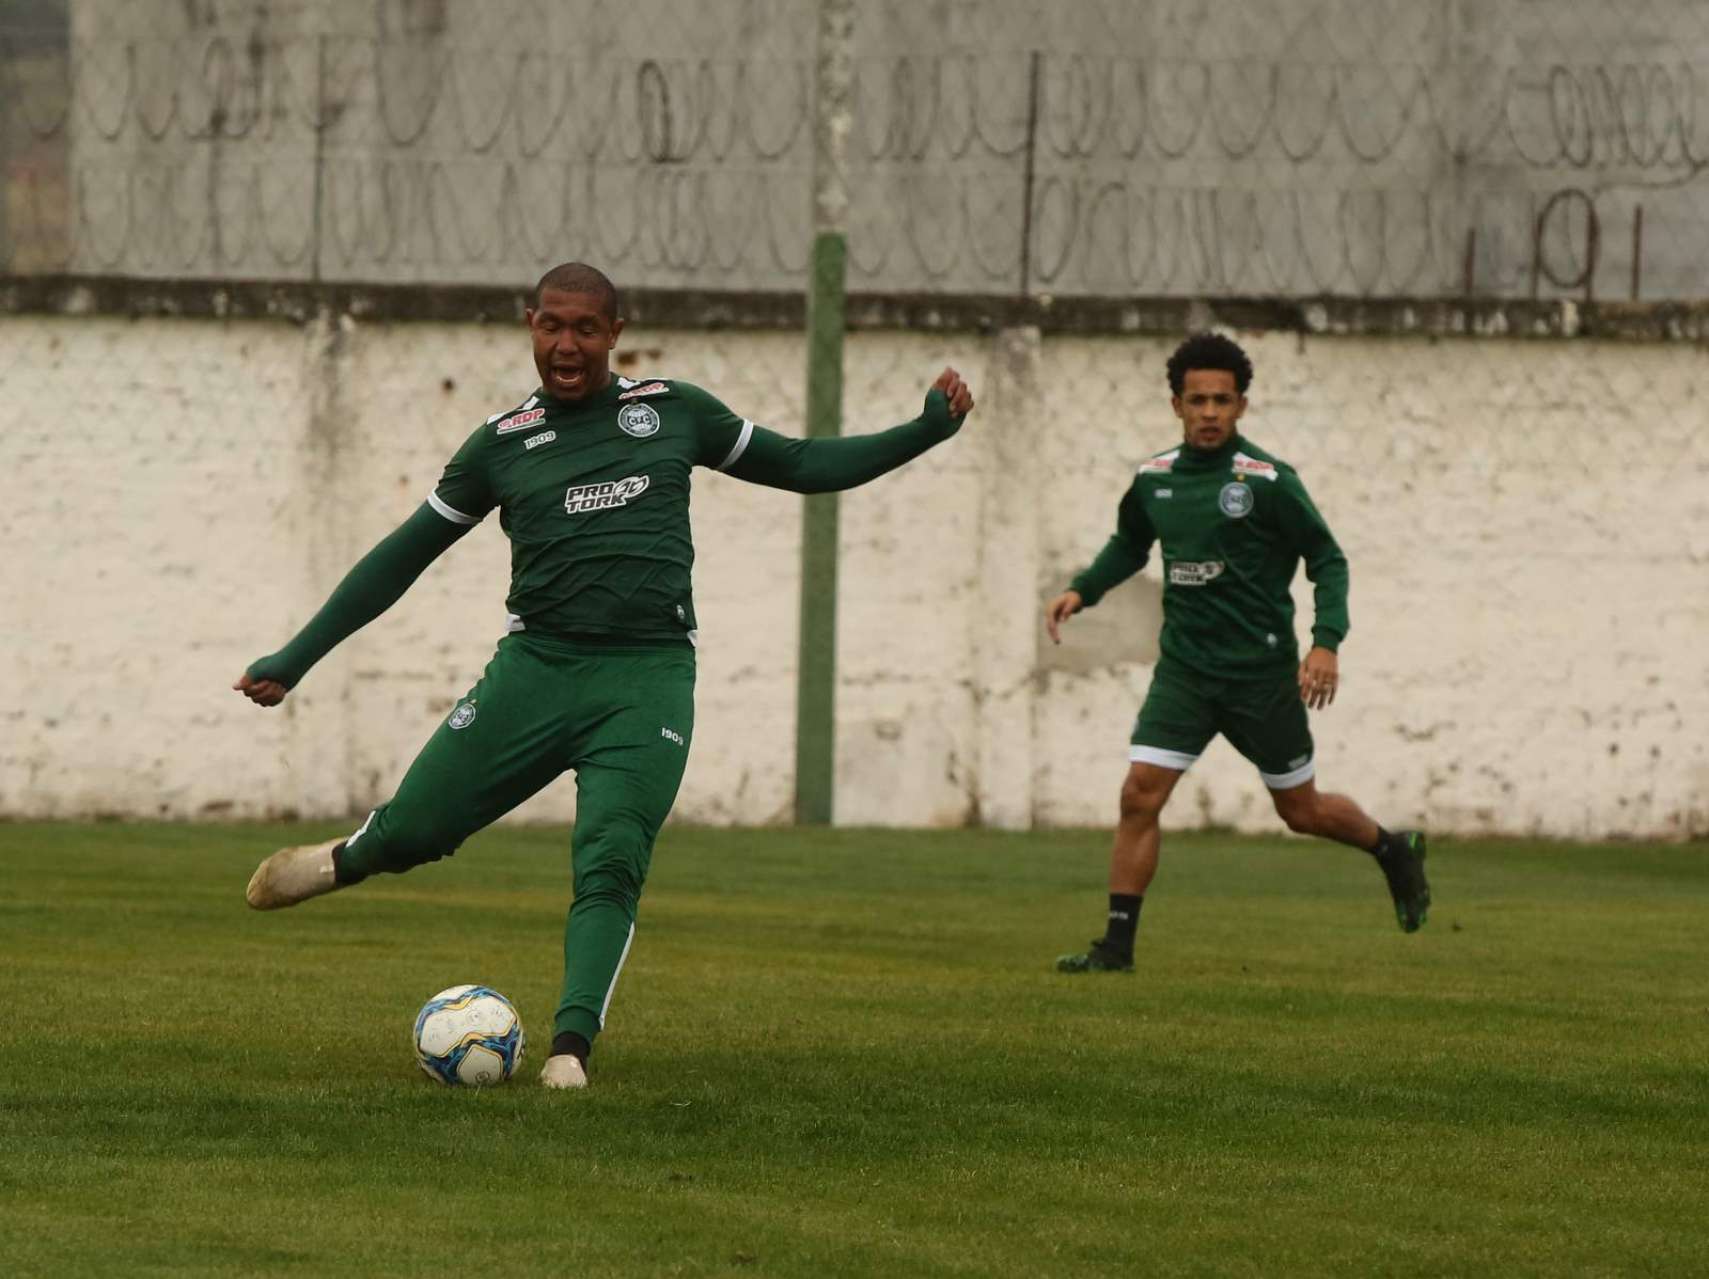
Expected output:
(469, 1037)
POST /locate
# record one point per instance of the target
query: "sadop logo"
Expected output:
(582, 498)
(519, 421)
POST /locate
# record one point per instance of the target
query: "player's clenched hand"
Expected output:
(1059, 610)
(1319, 675)
(957, 392)
(263, 692)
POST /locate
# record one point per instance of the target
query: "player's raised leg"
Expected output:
(1265, 720)
(628, 771)
(1399, 854)
(499, 745)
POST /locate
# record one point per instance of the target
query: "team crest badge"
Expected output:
(463, 716)
(1235, 500)
(638, 420)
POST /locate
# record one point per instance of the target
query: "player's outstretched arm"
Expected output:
(844, 462)
(376, 583)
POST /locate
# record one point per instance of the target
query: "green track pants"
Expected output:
(623, 719)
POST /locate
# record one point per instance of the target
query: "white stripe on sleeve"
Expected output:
(450, 512)
(741, 446)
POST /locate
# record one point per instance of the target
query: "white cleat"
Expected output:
(292, 875)
(563, 1071)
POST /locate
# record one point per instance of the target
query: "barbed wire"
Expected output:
(1554, 115)
(400, 159)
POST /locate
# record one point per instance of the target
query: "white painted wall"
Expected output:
(1528, 524)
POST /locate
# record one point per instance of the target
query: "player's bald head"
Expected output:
(579, 277)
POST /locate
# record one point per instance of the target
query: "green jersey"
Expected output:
(593, 495)
(1233, 524)
(594, 498)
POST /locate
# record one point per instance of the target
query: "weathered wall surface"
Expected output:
(1165, 148)
(1528, 524)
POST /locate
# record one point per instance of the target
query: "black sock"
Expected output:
(1385, 843)
(567, 1041)
(1124, 922)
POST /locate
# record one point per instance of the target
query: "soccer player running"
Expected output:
(590, 475)
(1233, 523)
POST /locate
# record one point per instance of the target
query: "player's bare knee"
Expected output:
(1298, 812)
(1140, 806)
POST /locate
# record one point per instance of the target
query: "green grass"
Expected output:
(845, 1053)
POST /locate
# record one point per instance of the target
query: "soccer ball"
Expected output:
(469, 1037)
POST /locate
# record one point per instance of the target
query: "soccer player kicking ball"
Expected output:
(590, 475)
(1233, 523)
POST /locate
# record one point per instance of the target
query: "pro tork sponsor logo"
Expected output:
(1194, 572)
(582, 498)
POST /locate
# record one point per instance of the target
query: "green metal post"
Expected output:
(816, 678)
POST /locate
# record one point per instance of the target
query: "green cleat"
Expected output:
(1403, 867)
(1099, 959)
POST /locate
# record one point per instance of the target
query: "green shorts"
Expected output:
(621, 718)
(1264, 719)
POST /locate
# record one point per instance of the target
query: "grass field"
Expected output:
(845, 1053)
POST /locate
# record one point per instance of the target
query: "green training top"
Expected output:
(594, 498)
(593, 495)
(1234, 523)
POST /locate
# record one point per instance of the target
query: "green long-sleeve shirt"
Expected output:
(1233, 525)
(593, 496)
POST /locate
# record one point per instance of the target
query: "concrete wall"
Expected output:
(1420, 148)
(1528, 524)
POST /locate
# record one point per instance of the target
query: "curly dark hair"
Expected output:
(1209, 351)
(579, 277)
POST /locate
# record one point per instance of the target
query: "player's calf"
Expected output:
(293, 875)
